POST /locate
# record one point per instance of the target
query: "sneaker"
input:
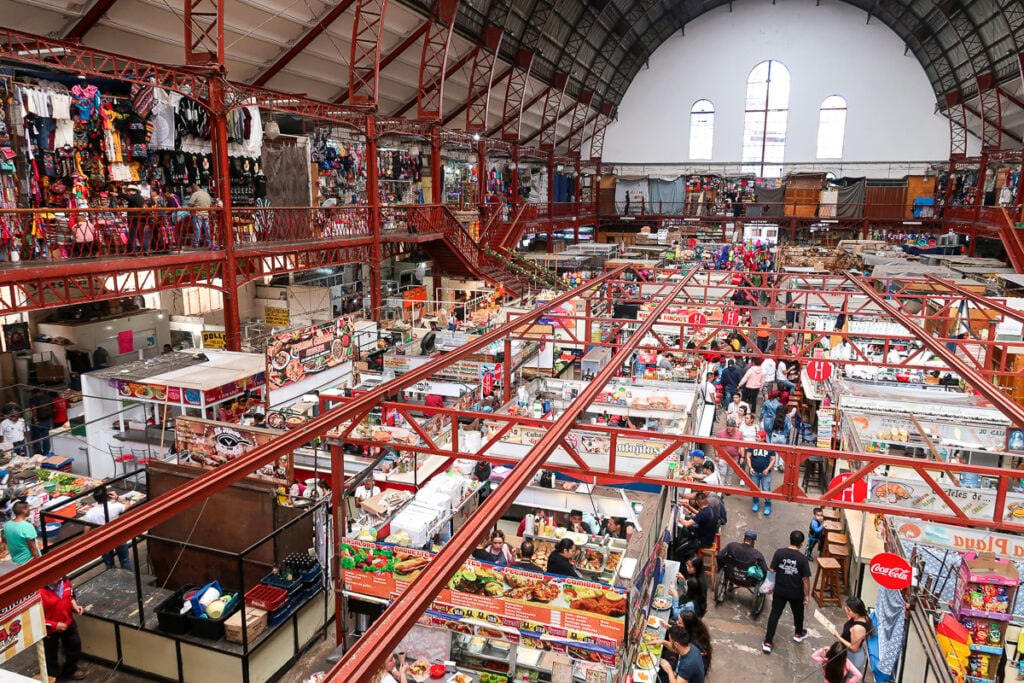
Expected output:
(766, 647)
(767, 510)
(755, 507)
(800, 637)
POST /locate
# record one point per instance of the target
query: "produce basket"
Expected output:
(212, 629)
(266, 597)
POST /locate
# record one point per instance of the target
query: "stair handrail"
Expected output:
(1012, 234)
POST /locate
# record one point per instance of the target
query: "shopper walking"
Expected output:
(41, 413)
(750, 385)
(731, 377)
(764, 333)
(734, 452)
(107, 509)
(59, 610)
(20, 535)
(760, 461)
(200, 199)
(792, 587)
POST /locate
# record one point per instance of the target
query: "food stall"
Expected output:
(498, 623)
(133, 406)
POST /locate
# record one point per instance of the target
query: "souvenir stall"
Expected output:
(533, 181)
(459, 170)
(961, 185)
(705, 195)
(131, 408)
(339, 157)
(1002, 178)
(399, 172)
(495, 623)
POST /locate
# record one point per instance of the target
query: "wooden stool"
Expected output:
(832, 514)
(826, 588)
(837, 538)
(836, 527)
(814, 467)
(709, 556)
(841, 554)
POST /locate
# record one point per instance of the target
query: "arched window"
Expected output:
(764, 123)
(702, 129)
(831, 127)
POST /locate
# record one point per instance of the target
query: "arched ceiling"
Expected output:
(596, 46)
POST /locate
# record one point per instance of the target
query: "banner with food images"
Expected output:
(214, 443)
(293, 356)
(918, 495)
(561, 607)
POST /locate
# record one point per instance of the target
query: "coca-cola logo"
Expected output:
(890, 571)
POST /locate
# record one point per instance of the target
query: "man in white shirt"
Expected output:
(768, 366)
(107, 509)
(368, 489)
(13, 431)
(708, 392)
(781, 380)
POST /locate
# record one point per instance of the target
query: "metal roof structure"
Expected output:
(567, 60)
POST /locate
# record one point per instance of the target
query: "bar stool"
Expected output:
(832, 515)
(837, 538)
(841, 554)
(833, 527)
(709, 556)
(814, 466)
(827, 588)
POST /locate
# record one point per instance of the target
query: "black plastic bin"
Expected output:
(168, 613)
(211, 629)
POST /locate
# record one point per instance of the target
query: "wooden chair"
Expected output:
(709, 556)
(827, 586)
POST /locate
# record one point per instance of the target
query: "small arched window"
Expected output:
(702, 129)
(832, 127)
(764, 121)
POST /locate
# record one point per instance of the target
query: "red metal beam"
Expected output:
(448, 74)
(364, 660)
(980, 301)
(979, 383)
(65, 559)
(575, 131)
(1011, 97)
(387, 59)
(89, 19)
(434, 59)
(302, 43)
(364, 63)
(204, 32)
(580, 120)
(481, 77)
(462, 107)
(553, 126)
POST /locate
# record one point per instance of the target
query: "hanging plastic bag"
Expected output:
(768, 585)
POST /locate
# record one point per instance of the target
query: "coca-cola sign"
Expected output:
(890, 571)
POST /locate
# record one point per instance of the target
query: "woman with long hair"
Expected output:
(855, 632)
(699, 636)
(835, 664)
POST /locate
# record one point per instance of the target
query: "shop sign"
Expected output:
(819, 370)
(22, 625)
(648, 449)
(233, 388)
(917, 495)
(293, 356)
(731, 319)
(276, 317)
(855, 493)
(890, 571)
(214, 340)
(214, 443)
(414, 297)
(283, 419)
(961, 539)
(1015, 440)
(383, 571)
(698, 319)
(871, 427)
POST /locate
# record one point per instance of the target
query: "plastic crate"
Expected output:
(266, 597)
(308, 593)
(168, 613)
(212, 629)
(281, 614)
(311, 575)
(276, 581)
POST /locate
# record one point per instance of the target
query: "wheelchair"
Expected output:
(733, 575)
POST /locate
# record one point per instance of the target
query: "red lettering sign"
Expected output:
(698, 319)
(855, 493)
(819, 370)
(890, 571)
(731, 319)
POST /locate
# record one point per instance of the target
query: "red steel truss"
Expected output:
(480, 80)
(364, 63)
(204, 33)
(515, 93)
(434, 60)
(302, 43)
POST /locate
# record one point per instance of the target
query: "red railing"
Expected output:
(867, 210)
(48, 235)
(280, 225)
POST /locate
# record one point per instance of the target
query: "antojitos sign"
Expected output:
(890, 571)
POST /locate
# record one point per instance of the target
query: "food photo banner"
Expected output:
(562, 607)
(215, 443)
(915, 494)
(293, 356)
(900, 429)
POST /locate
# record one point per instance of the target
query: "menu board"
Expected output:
(293, 356)
(570, 609)
(917, 495)
(195, 397)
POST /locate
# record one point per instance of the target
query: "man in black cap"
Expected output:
(736, 559)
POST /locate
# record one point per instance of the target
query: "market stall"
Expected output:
(133, 406)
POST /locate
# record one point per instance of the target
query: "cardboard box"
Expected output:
(255, 624)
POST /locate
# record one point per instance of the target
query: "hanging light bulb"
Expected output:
(272, 130)
(512, 166)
